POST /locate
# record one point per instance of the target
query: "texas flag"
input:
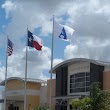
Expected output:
(34, 41)
(62, 31)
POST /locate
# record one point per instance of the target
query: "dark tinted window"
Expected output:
(87, 83)
(78, 85)
(80, 79)
(80, 89)
(72, 85)
(72, 80)
(87, 74)
(87, 78)
(87, 88)
(72, 76)
(79, 75)
(79, 82)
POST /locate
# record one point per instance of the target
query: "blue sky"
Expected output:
(7, 19)
(90, 19)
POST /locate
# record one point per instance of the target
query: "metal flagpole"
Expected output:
(25, 91)
(51, 65)
(6, 76)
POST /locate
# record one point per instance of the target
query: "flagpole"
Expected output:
(6, 76)
(51, 65)
(25, 91)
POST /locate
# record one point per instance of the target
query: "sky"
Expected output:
(89, 18)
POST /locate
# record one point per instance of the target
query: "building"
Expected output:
(36, 93)
(53, 92)
(74, 76)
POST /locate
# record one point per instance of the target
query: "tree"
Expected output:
(98, 100)
(42, 108)
(81, 104)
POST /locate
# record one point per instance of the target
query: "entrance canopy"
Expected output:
(10, 101)
(67, 97)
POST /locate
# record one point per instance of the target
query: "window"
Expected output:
(16, 108)
(88, 78)
(79, 75)
(70, 107)
(81, 79)
(79, 82)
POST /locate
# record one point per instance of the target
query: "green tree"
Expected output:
(81, 104)
(98, 100)
(42, 108)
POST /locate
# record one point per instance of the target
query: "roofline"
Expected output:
(11, 78)
(69, 62)
(23, 79)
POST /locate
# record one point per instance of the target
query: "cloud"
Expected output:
(2, 73)
(56, 61)
(8, 6)
(86, 51)
(70, 51)
(37, 62)
(35, 14)
(89, 18)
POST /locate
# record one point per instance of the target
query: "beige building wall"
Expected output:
(33, 88)
(106, 80)
(53, 92)
(15, 84)
(32, 102)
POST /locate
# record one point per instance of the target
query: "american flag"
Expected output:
(10, 47)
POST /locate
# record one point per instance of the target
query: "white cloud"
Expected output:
(2, 73)
(70, 51)
(37, 62)
(56, 61)
(98, 52)
(8, 7)
(35, 14)
(89, 18)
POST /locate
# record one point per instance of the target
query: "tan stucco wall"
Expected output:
(15, 84)
(19, 97)
(32, 102)
(19, 84)
(33, 86)
(106, 80)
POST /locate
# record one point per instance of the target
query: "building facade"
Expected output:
(53, 92)
(35, 93)
(74, 77)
